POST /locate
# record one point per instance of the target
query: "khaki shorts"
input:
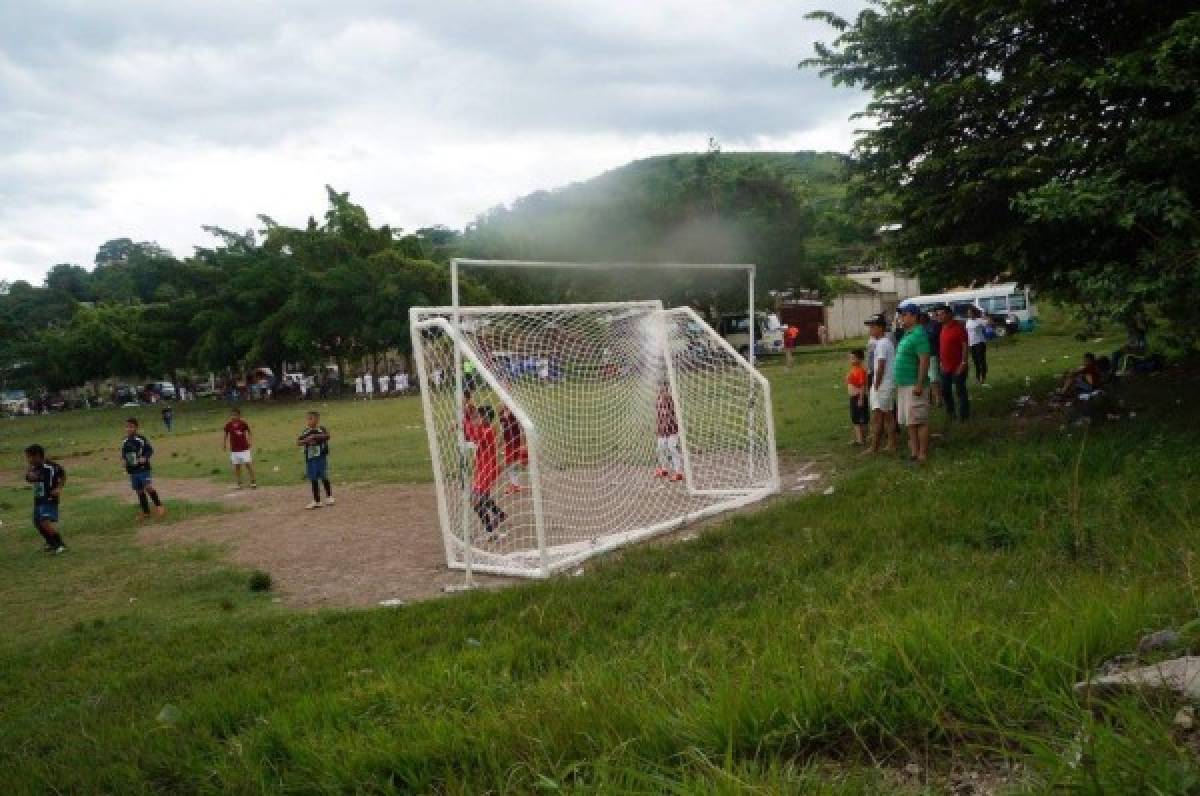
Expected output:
(912, 410)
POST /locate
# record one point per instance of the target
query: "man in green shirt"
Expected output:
(912, 383)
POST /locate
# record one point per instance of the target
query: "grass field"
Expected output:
(934, 616)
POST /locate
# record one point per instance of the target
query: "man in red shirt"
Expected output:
(477, 429)
(952, 358)
(239, 443)
(790, 335)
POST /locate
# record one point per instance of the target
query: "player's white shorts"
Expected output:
(883, 400)
(240, 457)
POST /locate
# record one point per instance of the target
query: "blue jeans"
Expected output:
(952, 382)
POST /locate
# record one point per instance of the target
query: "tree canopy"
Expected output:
(1055, 142)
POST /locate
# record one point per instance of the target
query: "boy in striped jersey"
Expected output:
(48, 479)
(136, 451)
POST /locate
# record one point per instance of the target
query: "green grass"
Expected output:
(815, 646)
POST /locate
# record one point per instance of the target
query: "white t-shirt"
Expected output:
(975, 327)
(369, 383)
(384, 381)
(358, 384)
(885, 357)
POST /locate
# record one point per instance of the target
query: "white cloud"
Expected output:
(146, 120)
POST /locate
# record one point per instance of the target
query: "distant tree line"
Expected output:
(339, 290)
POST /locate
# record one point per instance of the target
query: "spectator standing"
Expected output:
(882, 399)
(912, 382)
(977, 341)
(952, 356)
(856, 389)
(933, 328)
(790, 335)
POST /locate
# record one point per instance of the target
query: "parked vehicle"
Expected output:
(1009, 306)
(768, 333)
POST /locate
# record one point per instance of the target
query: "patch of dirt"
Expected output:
(379, 542)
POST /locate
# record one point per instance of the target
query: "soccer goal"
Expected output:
(612, 422)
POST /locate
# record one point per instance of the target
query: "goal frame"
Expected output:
(449, 321)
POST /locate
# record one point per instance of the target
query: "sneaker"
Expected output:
(160, 511)
(58, 551)
(677, 476)
(329, 501)
(49, 549)
(253, 485)
(313, 505)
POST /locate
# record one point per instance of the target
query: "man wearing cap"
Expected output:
(882, 358)
(952, 351)
(912, 382)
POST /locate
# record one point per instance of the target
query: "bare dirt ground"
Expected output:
(379, 542)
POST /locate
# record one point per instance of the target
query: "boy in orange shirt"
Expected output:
(856, 387)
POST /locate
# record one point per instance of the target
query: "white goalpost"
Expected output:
(558, 432)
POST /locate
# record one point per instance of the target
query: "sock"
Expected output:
(144, 502)
(154, 496)
(55, 540)
(316, 492)
(47, 535)
(328, 487)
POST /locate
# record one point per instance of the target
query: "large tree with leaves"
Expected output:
(1055, 141)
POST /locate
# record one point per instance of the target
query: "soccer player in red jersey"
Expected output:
(477, 428)
(516, 455)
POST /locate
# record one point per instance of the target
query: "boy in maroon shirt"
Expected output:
(239, 442)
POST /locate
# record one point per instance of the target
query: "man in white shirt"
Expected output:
(401, 382)
(358, 386)
(369, 385)
(883, 386)
(977, 341)
(384, 382)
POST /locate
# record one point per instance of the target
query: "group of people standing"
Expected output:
(900, 376)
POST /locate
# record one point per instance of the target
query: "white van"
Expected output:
(768, 333)
(1009, 306)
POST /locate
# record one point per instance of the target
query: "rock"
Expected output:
(1162, 640)
(1117, 664)
(169, 715)
(1180, 676)
(1185, 719)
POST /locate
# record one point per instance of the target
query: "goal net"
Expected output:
(561, 431)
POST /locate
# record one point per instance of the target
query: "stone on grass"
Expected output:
(1160, 640)
(1180, 676)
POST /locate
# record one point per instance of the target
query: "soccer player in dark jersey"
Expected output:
(48, 479)
(168, 416)
(670, 459)
(516, 455)
(315, 441)
(136, 451)
(477, 428)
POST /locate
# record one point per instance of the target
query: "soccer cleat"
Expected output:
(254, 485)
(58, 551)
(329, 501)
(677, 476)
(313, 505)
(49, 548)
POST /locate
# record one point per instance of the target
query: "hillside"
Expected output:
(781, 210)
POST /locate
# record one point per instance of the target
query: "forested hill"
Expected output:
(781, 210)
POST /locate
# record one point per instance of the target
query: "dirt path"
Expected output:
(380, 542)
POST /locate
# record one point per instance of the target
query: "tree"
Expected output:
(1058, 143)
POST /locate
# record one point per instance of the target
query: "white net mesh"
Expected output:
(586, 427)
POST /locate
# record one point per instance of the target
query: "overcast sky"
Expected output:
(148, 119)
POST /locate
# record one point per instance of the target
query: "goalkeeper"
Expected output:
(477, 428)
(670, 459)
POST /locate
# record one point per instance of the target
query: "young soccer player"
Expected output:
(856, 388)
(315, 441)
(136, 451)
(516, 455)
(168, 417)
(239, 442)
(477, 428)
(670, 459)
(48, 479)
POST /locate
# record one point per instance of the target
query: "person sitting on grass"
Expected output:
(1083, 380)
(856, 388)
(48, 479)
(315, 441)
(478, 431)
(136, 451)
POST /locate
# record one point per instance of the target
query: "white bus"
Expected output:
(1008, 305)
